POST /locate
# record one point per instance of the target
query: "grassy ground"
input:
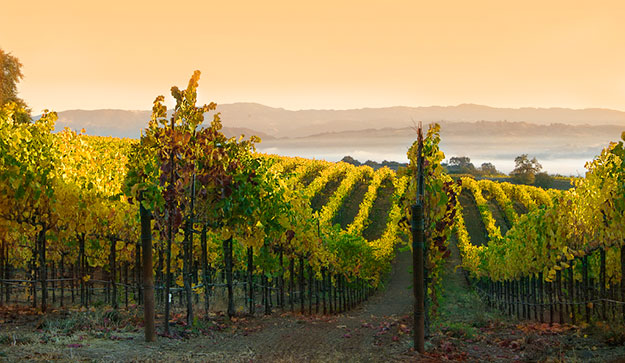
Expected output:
(379, 211)
(351, 206)
(320, 199)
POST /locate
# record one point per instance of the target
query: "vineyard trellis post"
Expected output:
(170, 229)
(418, 247)
(148, 274)
(622, 250)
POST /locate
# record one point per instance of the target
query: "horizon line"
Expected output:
(369, 108)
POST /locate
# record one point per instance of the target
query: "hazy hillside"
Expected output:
(561, 139)
(122, 123)
(279, 122)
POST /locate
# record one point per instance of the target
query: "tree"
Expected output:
(544, 180)
(525, 169)
(10, 75)
(461, 165)
(488, 169)
(350, 160)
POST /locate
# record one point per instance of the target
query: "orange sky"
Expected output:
(121, 54)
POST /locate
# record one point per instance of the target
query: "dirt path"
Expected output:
(367, 333)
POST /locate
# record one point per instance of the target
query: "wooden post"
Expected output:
(509, 297)
(525, 297)
(540, 298)
(418, 252)
(62, 283)
(316, 296)
(344, 292)
(517, 297)
(572, 294)
(126, 285)
(7, 275)
(74, 273)
(137, 274)
(301, 284)
(188, 255)
(266, 295)
(53, 282)
(203, 243)
(602, 279)
(170, 231)
(330, 295)
(113, 275)
(2, 276)
(291, 282)
(323, 290)
(559, 296)
(417, 277)
(310, 297)
(337, 308)
(43, 268)
(148, 275)
(228, 261)
(585, 287)
(339, 291)
(550, 293)
(521, 297)
(535, 297)
(168, 295)
(250, 276)
(623, 278)
(281, 279)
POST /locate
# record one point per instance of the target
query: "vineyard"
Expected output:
(231, 228)
(189, 227)
(550, 255)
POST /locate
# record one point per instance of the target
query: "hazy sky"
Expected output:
(319, 54)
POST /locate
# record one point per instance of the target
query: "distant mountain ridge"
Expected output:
(285, 123)
(562, 139)
(269, 122)
(124, 123)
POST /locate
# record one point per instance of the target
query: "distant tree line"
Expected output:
(463, 165)
(526, 171)
(394, 165)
